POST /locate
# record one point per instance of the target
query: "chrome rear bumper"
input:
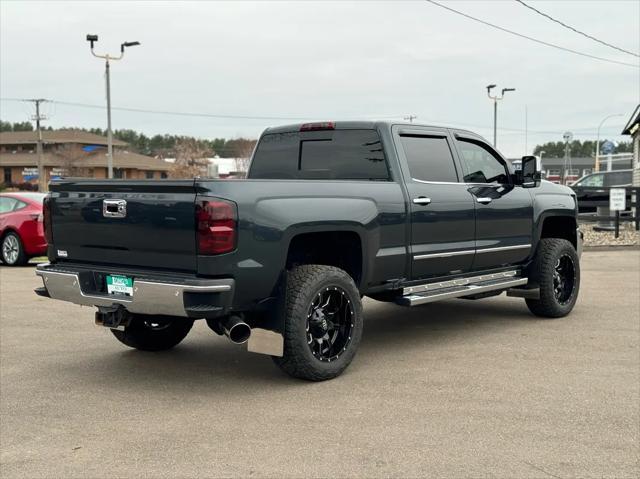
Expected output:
(149, 296)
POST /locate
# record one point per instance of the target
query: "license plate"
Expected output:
(120, 285)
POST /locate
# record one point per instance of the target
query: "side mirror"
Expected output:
(529, 174)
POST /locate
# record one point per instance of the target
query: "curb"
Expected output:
(629, 247)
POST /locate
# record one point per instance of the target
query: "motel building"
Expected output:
(70, 153)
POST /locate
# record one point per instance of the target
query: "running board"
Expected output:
(457, 288)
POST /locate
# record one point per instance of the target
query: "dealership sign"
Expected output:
(29, 174)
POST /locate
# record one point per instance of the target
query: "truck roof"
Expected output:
(366, 125)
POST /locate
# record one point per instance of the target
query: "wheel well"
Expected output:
(342, 249)
(563, 227)
(7, 231)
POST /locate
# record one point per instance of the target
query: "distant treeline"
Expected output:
(158, 145)
(165, 145)
(577, 148)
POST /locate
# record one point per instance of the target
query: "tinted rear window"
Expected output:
(331, 154)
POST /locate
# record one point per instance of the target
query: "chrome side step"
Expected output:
(456, 288)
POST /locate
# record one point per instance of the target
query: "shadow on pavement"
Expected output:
(210, 364)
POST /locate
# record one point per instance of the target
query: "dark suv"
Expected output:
(605, 180)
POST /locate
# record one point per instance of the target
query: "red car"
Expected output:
(21, 227)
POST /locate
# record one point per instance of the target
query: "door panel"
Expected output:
(442, 212)
(504, 212)
(503, 225)
(442, 231)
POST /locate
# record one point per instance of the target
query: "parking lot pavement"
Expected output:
(454, 389)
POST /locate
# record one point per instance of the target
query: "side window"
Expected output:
(7, 204)
(480, 165)
(429, 158)
(19, 205)
(618, 178)
(345, 155)
(593, 180)
(325, 154)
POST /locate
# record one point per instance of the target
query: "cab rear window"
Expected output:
(333, 154)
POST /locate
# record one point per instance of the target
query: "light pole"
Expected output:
(106, 57)
(597, 166)
(495, 99)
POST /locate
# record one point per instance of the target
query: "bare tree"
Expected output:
(241, 149)
(191, 159)
(72, 158)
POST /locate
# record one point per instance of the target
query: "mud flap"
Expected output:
(269, 337)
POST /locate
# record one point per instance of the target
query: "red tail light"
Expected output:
(46, 219)
(217, 225)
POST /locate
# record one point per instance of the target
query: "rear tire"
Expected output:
(556, 271)
(12, 250)
(323, 322)
(154, 333)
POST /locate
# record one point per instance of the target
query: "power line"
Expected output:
(576, 30)
(225, 116)
(542, 42)
(182, 113)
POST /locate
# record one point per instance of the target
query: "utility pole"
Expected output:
(410, 118)
(42, 180)
(93, 39)
(495, 99)
(567, 136)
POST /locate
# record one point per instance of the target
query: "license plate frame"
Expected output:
(119, 285)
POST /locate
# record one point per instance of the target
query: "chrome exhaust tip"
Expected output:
(236, 330)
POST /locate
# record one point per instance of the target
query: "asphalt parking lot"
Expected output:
(453, 389)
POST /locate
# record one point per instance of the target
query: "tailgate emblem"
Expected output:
(114, 208)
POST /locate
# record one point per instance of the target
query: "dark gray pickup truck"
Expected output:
(330, 212)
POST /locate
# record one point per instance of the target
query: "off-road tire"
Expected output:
(21, 258)
(549, 252)
(140, 334)
(304, 283)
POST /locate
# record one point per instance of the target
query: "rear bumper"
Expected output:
(190, 297)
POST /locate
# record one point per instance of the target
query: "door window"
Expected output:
(618, 178)
(480, 165)
(592, 180)
(429, 158)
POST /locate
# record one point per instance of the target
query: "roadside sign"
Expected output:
(617, 199)
(607, 147)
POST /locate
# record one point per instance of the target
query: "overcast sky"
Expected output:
(323, 60)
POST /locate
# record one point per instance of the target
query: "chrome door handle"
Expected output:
(422, 200)
(484, 201)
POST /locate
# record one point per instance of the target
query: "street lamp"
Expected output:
(106, 57)
(597, 168)
(495, 99)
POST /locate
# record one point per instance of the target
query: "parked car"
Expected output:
(330, 212)
(21, 227)
(586, 192)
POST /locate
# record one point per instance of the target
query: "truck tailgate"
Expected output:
(126, 223)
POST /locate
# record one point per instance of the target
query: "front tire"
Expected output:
(154, 333)
(323, 322)
(13, 253)
(556, 271)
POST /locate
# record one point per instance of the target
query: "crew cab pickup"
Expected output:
(330, 212)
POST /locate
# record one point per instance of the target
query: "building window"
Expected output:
(554, 172)
(7, 175)
(118, 173)
(149, 175)
(573, 172)
(163, 175)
